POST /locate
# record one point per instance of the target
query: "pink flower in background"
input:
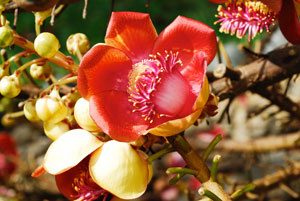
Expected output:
(253, 16)
(8, 155)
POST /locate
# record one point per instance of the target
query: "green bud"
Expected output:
(6, 36)
(46, 45)
(78, 41)
(40, 72)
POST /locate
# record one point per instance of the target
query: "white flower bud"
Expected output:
(82, 116)
(55, 130)
(40, 72)
(51, 108)
(30, 112)
(10, 86)
(78, 41)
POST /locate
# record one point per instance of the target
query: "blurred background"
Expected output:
(237, 168)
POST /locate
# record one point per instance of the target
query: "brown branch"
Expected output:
(279, 99)
(278, 65)
(264, 144)
(274, 180)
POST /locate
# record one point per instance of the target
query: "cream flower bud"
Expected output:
(40, 72)
(118, 168)
(46, 45)
(30, 112)
(55, 130)
(82, 116)
(51, 108)
(10, 86)
(6, 36)
(78, 41)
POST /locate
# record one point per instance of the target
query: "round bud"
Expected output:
(10, 86)
(51, 108)
(46, 45)
(82, 116)
(30, 112)
(40, 72)
(6, 36)
(35, 5)
(55, 130)
(78, 42)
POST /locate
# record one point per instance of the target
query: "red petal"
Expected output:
(288, 22)
(79, 177)
(132, 33)
(187, 36)
(112, 112)
(275, 5)
(103, 68)
(194, 73)
(7, 144)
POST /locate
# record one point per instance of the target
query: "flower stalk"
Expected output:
(211, 146)
(193, 160)
(242, 191)
(59, 59)
(214, 167)
(160, 153)
(209, 194)
(180, 170)
(58, 83)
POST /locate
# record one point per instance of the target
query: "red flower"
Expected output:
(138, 81)
(240, 16)
(8, 155)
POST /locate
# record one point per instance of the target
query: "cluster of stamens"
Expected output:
(86, 188)
(240, 16)
(146, 82)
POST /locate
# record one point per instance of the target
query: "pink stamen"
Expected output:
(86, 188)
(240, 16)
(141, 94)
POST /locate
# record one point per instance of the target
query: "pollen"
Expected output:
(144, 79)
(242, 16)
(86, 188)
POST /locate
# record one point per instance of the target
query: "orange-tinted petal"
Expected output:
(289, 22)
(187, 36)
(275, 5)
(132, 33)
(112, 112)
(103, 68)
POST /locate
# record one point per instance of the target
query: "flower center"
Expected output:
(240, 16)
(86, 188)
(156, 87)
